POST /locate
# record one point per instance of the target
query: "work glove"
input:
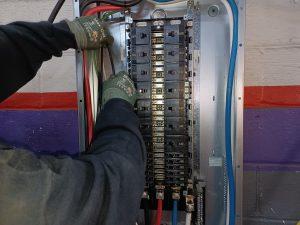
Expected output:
(119, 86)
(90, 32)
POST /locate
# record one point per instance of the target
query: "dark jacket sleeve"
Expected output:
(24, 47)
(102, 187)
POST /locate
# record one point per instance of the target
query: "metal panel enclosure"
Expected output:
(208, 61)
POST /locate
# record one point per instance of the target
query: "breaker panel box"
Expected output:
(178, 55)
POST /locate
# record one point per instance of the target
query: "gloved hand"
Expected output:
(119, 86)
(90, 32)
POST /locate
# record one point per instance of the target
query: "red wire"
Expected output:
(159, 212)
(88, 100)
(104, 8)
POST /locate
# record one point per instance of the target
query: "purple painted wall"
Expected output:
(272, 136)
(41, 131)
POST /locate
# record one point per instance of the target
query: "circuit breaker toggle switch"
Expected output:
(143, 54)
(171, 34)
(143, 35)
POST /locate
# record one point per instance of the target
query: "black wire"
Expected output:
(112, 2)
(100, 78)
(145, 205)
(56, 10)
(125, 3)
(99, 14)
(111, 60)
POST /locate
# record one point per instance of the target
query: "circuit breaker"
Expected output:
(159, 65)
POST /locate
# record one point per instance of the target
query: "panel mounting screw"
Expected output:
(213, 10)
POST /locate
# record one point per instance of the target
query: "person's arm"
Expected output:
(25, 46)
(102, 187)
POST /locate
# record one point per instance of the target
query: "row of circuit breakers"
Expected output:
(160, 67)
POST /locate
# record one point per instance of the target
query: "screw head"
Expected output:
(213, 10)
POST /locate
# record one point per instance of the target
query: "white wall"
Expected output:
(57, 75)
(272, 42)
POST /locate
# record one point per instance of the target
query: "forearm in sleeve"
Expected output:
(24, 46)
(101, 187)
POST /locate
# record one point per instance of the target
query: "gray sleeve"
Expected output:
(102, 187)
(50, 190)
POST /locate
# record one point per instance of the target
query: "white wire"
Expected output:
(188, 219)
(230, 18)
(227, 205)
(93, 79)
(166, 3)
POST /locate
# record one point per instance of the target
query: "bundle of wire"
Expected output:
(123, 4)
(91, 72)
(93, 75)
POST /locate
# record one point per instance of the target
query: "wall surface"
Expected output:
(43, 117)
(272, 113)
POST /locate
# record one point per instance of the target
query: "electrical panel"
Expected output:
(178, 54)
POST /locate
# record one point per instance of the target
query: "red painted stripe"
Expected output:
(272, 97)
(255, 97)
(41, 101)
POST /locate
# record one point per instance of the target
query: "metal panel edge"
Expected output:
(80, 93)
(239, 107)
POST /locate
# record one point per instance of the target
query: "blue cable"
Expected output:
(174, 212)
(228, 112)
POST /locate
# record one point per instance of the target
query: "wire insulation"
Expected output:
(166, 3)
(111, 60)
(159, 212)
(112, 2)
(87, 86)
(188, 218)
(100, 79)
(93, 79)
(230, 20)
(124, 4)
(163, 1)
(146, 206)
(228, 113)
(88, 102)
(175, 212)
(56, 10)
(105, 8)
